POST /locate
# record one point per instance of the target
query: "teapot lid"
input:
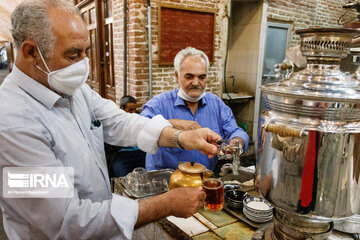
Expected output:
(191, 167)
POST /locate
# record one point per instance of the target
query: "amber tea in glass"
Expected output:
(214, 189)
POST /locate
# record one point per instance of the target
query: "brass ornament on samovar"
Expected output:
(309, 141)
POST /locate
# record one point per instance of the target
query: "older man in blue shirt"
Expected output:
(190, 107)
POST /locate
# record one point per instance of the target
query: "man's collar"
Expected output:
(181, 102)
(34, 88)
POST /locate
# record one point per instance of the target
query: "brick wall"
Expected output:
(118, 34)
(305, 14)
(137, 63)
(163, 76)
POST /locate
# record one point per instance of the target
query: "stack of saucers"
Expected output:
(235, 197)
(257, 209)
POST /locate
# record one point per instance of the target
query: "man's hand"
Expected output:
(184, 124)
(185, 201)
(241, 142)
(180, 202)
(202, 139)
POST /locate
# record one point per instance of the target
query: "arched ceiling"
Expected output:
(6, 7)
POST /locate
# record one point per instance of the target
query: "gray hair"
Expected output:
(30, 20)
(189, 51)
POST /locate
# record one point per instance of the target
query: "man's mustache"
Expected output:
(196, 88)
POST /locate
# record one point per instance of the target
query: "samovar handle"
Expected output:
(284, 130)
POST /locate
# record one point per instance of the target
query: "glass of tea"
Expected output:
(214, 189)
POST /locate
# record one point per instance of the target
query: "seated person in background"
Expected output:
(122, 160)
(128, 104)
(190, 107)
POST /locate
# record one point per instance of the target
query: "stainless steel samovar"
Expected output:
(309, 140)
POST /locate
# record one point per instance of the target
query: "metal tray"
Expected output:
(159, 183)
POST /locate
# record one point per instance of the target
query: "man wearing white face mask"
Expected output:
(68, 79)
(50, 118)
(190, 107)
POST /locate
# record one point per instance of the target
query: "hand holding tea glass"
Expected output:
(214, 189)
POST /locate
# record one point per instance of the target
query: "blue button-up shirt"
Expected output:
(211, 113)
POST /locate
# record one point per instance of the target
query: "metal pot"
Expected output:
(189, 174)
(309, 141)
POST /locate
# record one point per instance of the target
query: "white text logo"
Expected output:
(39, 182)
(34, 180)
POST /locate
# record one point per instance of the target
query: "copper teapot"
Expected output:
(189, 174)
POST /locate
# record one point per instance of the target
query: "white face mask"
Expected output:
(182, 94)
(68, 79)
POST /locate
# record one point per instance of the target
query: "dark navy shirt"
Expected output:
(211, 113)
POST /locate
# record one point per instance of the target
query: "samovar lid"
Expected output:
(322, 79)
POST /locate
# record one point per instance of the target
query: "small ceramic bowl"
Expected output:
(258, 206)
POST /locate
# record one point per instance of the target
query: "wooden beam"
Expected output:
(100, 48)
